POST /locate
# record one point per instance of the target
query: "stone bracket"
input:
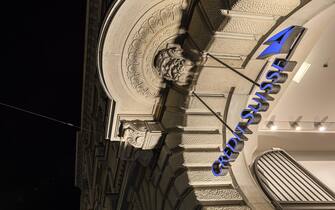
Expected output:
(141, 134)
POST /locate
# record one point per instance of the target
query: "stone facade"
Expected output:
(162, 140)
(92, 148)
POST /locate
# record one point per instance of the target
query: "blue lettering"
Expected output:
(252, 117)
(235, 144)
(270, 88)
(276, 76)
(224, 160)
(240, 136)
(264, 96)
(279, 63)
(218, 169)
(230, 154)
(261, 105)
(280, 43)
(242, 127)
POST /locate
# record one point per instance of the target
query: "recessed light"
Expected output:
(298, 128)
(272, 126)
(322, 128)
(295, 125)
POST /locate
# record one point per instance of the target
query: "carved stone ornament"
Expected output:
(155, 31)
(169, 62)
(133, 132)
(141, 134)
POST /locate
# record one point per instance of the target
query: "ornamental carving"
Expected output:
(151, 33)
(169, 62)
(141, 134)
(133, 132)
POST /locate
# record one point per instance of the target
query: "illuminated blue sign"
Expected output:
(281, 43)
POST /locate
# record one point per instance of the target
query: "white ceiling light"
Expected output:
(320, 126)
(272, 126)
(301, 72)
(298, 128)
(295, 125)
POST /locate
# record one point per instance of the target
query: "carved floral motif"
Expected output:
(154, 33)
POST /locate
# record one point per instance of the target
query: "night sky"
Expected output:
(41, 71)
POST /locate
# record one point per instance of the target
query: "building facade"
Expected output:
(164, 83)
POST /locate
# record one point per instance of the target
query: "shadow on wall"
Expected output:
(156, 180)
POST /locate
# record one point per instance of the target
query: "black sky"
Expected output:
(41, 70)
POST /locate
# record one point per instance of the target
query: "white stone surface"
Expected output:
(194, 135)
(270, 7)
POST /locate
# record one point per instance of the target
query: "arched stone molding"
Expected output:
(132, 35)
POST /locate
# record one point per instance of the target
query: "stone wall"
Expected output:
(91, 144)
(176, 173)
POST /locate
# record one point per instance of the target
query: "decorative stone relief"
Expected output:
(133, 133)
(170, 63)
(155, 31)
(141, 134)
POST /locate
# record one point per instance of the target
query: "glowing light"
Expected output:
(322, 128)
(298, 128)
(295, 125)
(273, 127)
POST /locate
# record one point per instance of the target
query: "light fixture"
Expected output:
(320, 126)
(272, 126)
(298, 128)
(301, 72)
(295, 125)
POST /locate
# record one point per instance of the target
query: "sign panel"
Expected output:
(281, 43)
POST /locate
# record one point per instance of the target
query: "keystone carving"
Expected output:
(155, 31)
(173, 64)
(169, 62)
(141, 134)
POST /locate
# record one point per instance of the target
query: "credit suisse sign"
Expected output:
(281, 43)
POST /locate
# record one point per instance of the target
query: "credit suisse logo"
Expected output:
(283, 42)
